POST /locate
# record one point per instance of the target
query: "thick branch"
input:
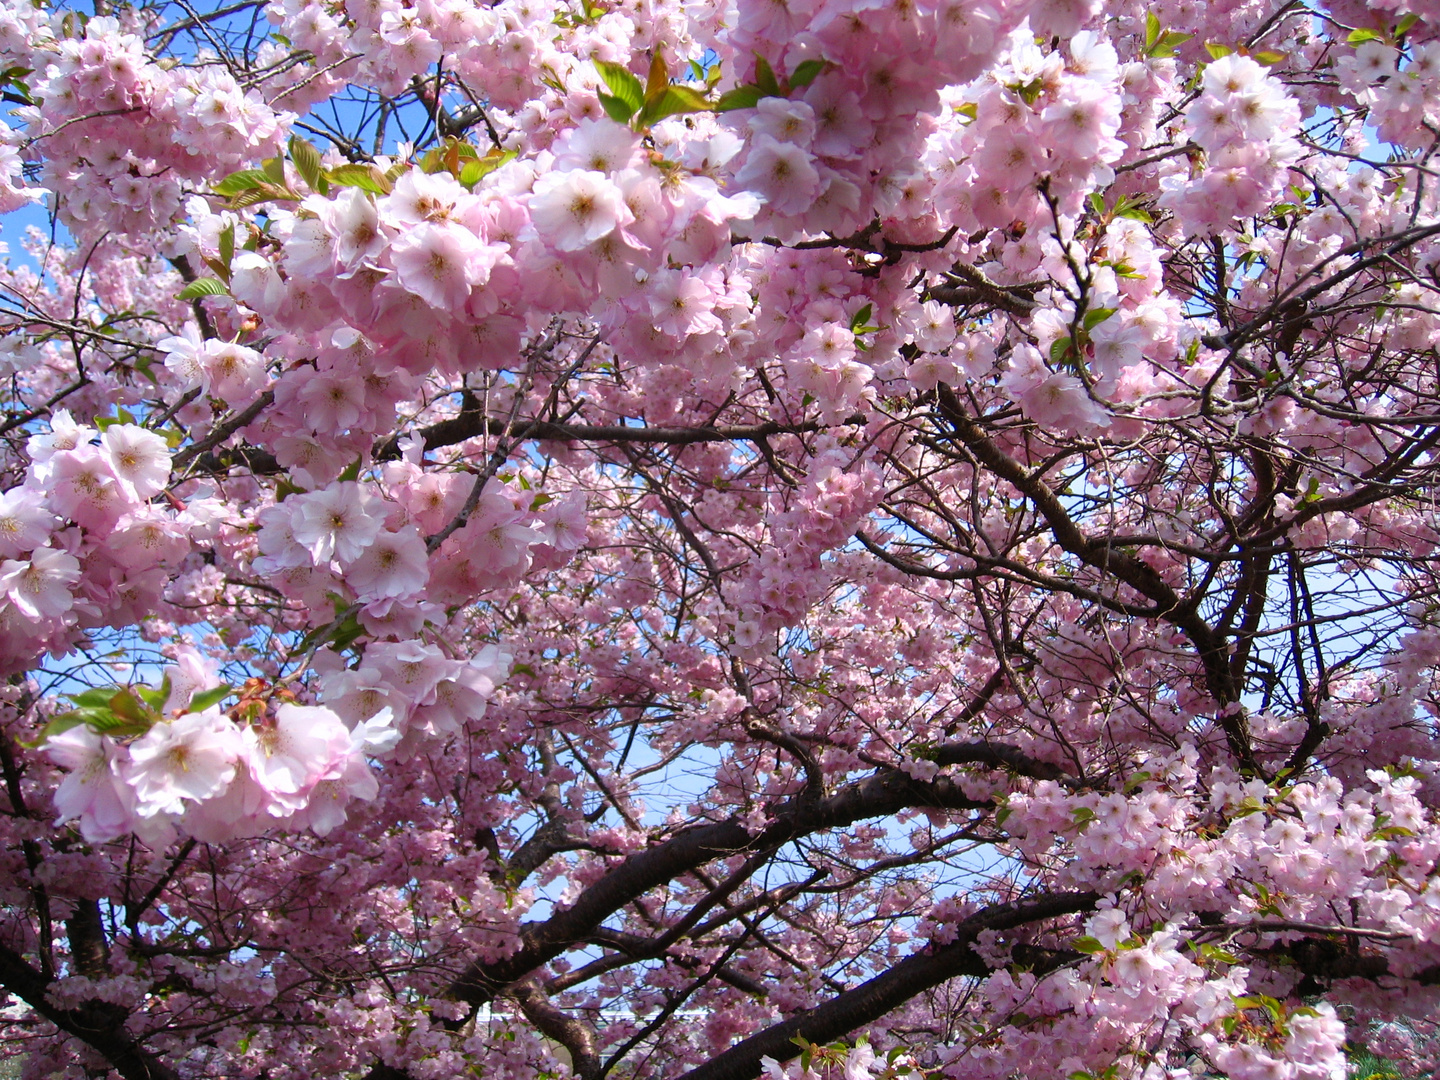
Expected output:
(471, 425)
(872, 1000)
(575, 1035)
(886, 792)
(98, 1025)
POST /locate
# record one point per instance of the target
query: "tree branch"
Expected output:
(879, 795)
(871, 1000)
(100, 1026)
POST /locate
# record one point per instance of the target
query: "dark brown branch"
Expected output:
(879, 795)
(89, 954)
(99, 1025)
(573, 1034)
(224, 430)
(471, 425)
(998, 756)
(873, 999)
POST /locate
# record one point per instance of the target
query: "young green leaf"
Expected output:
(477, 169)
(205, 286)
(95, 698)
(673, 101)
(309, 164)
(58, 723)
(227, 247)
(615, 108)
(623, 84)
(365, 177)
(244, 180)
(742, 97)
(1168, 44)
(765, 77)
(805, 73)
(658, 78)
(203, 700)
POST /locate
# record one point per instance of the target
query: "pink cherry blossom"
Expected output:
(189, 759)
(575, 208)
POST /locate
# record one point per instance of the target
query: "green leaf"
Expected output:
(155, 698)
(1132, 208)
(673, 101)
(227, 245)
(346, 634)
(805, 72)
(1269, 58)
(130, 709)
(351, 472)
(476, 170)
(1060, 350)
(1404, 25)
(1364, 34)
(765, 77)
(742, 97)
(1082, 815)
(96, 698)
(274, 169)
(365, 177)
(1030, 92)
(309, 164)
(205, 286)
(447, 158)
(1095, 316)
(14, 77)
(1215, 953)
(1152, 31)
(244, 180)
(615, 108)
(221, 270)
(122, 416)
(146, 367)
(623, 84)
(1168, 44)
(1087, 945)
(203, 700)
(1133, 784)
(658, 77)
(121, 730)
(1216, 50)
(262, 194)
(61, 722)
(861, 317)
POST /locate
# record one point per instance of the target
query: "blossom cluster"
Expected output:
(975, 457)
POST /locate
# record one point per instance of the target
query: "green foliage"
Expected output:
(205, 286)
(1158, 42)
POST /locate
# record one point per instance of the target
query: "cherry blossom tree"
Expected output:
(863, 538)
